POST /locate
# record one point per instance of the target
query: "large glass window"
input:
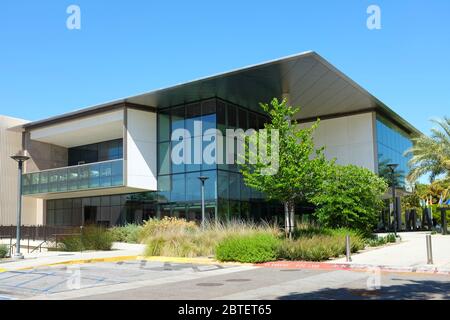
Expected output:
(392, 144)
(178, 185)
(107, 210)
(96, 152)
(83, 177)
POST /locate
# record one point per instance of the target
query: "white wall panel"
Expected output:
(348, 139)
(141, 145)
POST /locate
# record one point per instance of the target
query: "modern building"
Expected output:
(110, 163)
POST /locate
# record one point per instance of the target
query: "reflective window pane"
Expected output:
(164, 126)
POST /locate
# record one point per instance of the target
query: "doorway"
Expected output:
(90, 215)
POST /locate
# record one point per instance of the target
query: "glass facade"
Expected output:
(92, 166)
(84, 177)
(226, 195)
(392, 143)
(179, 189)
(104, 210)
(96, 152)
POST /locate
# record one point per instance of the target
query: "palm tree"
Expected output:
(431, 154)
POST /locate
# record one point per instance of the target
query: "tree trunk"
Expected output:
(286, 219)
(289, 210)
(292, 218)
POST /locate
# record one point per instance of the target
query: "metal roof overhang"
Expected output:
(312, 83)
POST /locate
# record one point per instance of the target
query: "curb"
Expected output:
(206, 261)
(79, 261)
(352, 267)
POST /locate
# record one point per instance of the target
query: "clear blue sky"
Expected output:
(128, 47)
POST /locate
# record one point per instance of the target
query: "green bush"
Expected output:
(315, 244)
(179, 238)
(130, 233)
(93, 238)
(3, 251)
(391, 238)
(377, 241)
(350, 197)
(71, 244)
(248, 248)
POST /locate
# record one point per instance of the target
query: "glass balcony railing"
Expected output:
(76, 178)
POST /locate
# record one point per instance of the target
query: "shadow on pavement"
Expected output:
(414, 290)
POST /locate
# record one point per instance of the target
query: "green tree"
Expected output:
(301, 165)
(431, 154)
(350, 197)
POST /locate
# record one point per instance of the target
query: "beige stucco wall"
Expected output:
(349, 139)
(10, 143)
(44, 155)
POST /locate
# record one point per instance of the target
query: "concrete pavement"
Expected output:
(256, 283)
(409, 254)
(120, 252)
(124, 274)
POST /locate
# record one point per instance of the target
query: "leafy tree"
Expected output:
(350, 197)
(301, 165)
(434, 189)
(411, 201)
(431, 155)
(386, 173)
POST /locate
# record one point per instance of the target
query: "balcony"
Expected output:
(98, 175)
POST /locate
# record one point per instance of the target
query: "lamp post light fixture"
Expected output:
(20, 157)
(203, 179)
(392, 167)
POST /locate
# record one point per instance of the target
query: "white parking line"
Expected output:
(138, 284)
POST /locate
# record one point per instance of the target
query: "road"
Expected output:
(154, 280)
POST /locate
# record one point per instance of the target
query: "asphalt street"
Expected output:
(154, 280)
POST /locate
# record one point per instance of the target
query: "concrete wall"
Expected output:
(140, 150)
(44, 155)
(10, 143)
(82, 131)
(349, 139)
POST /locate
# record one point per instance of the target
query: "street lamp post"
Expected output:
(392, 167)
(203, 179)
(20, 157)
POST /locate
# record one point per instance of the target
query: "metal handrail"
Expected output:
(39, 246)
(77, 166)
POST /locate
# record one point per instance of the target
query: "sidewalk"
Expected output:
(409, 254)
(120, 252)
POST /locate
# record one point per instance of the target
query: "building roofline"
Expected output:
(111, 105)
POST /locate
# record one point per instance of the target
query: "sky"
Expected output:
(129, 47)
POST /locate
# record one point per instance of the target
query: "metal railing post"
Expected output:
(429, 249)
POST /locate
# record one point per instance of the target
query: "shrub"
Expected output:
(177, 237)
(3, 251)
(310, 230)
(130, 233)
(350, 197)
(71, 244)
(320, 246)
(377, 241)
(248, 248)
(167, 224)
(93, 238)
(391, 238)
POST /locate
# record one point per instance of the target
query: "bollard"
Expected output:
(429, 250)
(81, 239)
(348, 248)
